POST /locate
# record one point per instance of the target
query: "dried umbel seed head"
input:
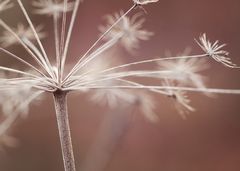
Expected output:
(180, 98)
(144, 2)
(215, 51)
(108, 84)
(24, 33)
(131, 29)
(92, 72)
(185, 71)
(51, 7)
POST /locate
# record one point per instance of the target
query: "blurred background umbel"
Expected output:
(208, 140)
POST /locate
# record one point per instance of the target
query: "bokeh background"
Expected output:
(208, 140)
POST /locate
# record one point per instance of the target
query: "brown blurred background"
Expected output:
(208, 140)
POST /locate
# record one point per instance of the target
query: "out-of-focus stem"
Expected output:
(110, 135)
(60, 100)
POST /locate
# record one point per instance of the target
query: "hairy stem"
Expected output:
(60, 100)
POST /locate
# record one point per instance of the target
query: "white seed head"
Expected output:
(26, 34)
(51, 7)
(14, 98)
(180, 98)
(215, 51)
(110, 83)
(186, 71)
(109, 97)
(17, 93)
(129, 27)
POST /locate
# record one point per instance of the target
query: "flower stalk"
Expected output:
(60, 101)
